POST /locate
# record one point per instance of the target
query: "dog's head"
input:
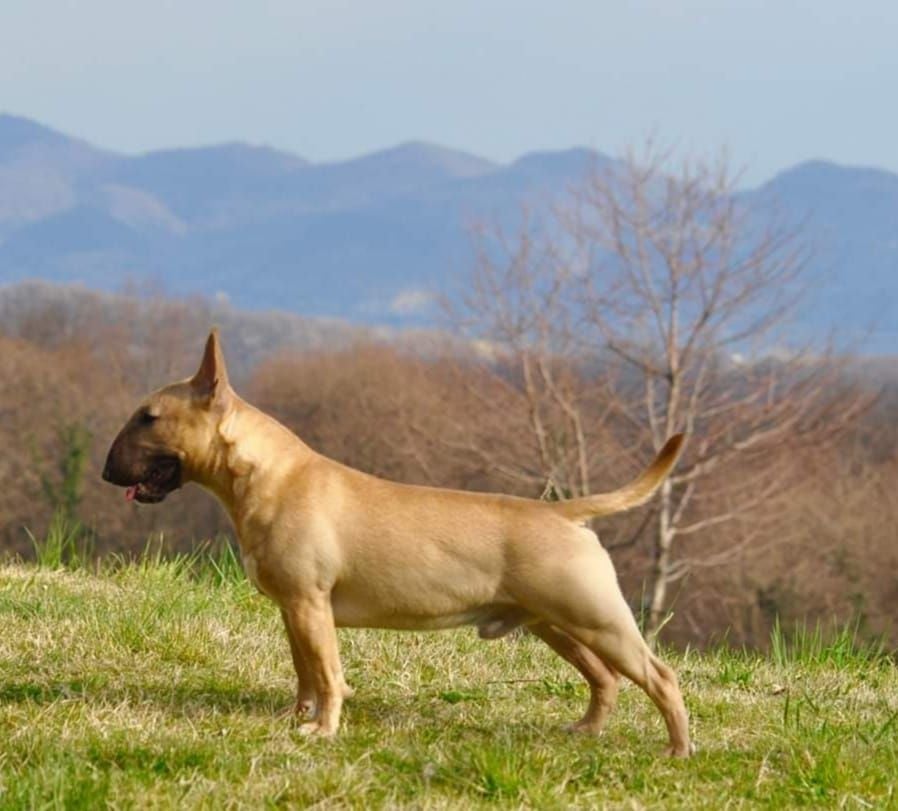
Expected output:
(171, 436)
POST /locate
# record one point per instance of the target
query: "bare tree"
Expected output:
(520, 302)
(666, 303)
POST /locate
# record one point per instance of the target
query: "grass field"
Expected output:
(156, 685)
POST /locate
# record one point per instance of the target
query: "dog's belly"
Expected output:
(420, 586)
(353, 619)
(355, 613)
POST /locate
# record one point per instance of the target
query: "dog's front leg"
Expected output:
(305, 690)
(310, 624)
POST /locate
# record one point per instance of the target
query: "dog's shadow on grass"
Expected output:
(364, 710)
(197, 699)
(177, 699)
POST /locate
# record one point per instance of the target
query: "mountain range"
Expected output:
(371, 239)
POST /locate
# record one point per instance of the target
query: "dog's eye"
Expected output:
(146, 418)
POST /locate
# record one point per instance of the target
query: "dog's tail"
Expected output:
(630, 495)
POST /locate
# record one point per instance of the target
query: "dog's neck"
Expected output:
(246, 450)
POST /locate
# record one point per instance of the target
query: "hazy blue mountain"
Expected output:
(850, 217)
(410, 168)
(373, 238)
(197, 185)
(41, 171)
(16, 133)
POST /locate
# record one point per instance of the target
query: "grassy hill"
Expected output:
(156, 684)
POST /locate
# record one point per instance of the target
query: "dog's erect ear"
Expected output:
(211, 380)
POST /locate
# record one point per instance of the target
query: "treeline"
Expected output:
(819, 546)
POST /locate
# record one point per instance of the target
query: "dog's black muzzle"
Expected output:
(148, 475)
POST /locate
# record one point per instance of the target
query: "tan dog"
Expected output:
(336, 547)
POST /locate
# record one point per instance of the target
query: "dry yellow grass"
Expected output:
(149, 685)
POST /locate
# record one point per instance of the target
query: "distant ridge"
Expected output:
(17, 132)
(374, 238)
(439, 159)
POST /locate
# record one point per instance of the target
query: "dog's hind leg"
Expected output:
(585, 602)
(625, 650)
(602, 680)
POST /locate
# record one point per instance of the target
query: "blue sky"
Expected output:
(772, 82)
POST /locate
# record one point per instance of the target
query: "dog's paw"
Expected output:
(298, 709)
(680, 752)
(348, 692)
(584, 728)
(313, 728)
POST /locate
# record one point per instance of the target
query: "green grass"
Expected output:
(67, 543)
(155, 684)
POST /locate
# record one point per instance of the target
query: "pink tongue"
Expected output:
(131, 492)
